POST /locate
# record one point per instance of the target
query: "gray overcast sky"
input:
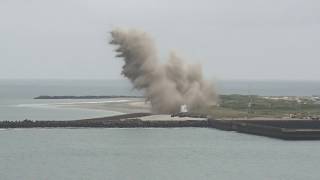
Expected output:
(233, 39)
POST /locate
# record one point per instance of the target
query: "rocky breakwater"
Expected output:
(121, 121)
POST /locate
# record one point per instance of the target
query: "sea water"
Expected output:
(17, 103)
(155, 153)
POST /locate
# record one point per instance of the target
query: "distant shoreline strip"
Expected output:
(85, 97)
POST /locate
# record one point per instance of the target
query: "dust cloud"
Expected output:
(167, 86)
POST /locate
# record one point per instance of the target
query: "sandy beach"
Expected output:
(128, 105)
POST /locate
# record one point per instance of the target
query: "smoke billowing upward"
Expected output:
(167, 86)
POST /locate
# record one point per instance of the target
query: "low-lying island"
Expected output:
(282, 129)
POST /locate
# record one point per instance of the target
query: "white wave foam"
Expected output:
(33, 105)
(51, 105)
(93, 102)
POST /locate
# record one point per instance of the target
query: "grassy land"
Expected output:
(233, 106)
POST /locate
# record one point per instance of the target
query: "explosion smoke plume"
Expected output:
(166, 86)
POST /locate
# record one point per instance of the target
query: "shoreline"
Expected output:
(120, 105)
(86, 97)
(234, 106)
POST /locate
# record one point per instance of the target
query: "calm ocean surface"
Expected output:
(141, 154)
(17, 103)
(157, 154)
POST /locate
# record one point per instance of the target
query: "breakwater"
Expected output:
(120, 121)
(282, 129)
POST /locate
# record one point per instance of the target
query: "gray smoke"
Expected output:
(166, 86)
